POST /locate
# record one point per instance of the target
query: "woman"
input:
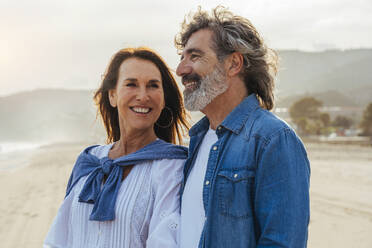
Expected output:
(125, 194)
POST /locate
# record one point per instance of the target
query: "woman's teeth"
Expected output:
(141, 110)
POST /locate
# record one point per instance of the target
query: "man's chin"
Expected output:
(189, 91)
(195, 103)
(191, 105)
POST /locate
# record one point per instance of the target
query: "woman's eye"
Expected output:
(154, 85)
(130, 84)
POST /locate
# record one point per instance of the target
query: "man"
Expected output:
(246, 180)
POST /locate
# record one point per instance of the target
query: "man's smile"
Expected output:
(191, 81)
(191, 85)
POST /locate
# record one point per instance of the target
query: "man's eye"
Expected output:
(194, 56)
(131, 85)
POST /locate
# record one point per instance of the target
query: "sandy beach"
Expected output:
(341, 196)
(31, 194)
(32, 187)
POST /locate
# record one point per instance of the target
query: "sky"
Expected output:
(68, 44)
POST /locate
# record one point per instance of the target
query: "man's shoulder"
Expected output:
(266, 124)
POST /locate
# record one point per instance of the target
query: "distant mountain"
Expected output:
(49, 115)
(330, 98)
(301, 72)
(361, 96)
(337, 78)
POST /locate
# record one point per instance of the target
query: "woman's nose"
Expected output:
(142, 94)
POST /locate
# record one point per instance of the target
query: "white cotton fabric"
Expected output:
(146, 211)
(192, 209)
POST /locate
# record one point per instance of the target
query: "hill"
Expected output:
(329, 98)
(344, 71)
(337, 78)
(49, 115)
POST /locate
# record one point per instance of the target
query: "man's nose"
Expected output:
(183, 68)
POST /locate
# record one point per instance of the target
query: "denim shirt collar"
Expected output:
(234, 121)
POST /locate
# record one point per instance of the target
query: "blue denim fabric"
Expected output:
(258, 175)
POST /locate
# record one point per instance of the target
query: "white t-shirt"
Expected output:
(192, 209)
(146, 211)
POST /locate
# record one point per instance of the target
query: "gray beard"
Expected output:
(211, 86)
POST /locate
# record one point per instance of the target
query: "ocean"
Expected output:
(8, 147)
(10, 158)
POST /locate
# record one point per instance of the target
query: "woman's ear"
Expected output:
(234, 64)
(112, 98)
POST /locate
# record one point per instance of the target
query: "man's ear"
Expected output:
(112, 97)
(234, 64)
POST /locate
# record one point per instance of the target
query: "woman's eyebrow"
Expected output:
(154, 81)
(131, 79)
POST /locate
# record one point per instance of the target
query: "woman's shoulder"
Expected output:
(99, 151)
(167, 168)
(172, 162)
(169, 162)
(166, 150)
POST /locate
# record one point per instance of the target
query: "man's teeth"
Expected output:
(190, 84)
(141, 110)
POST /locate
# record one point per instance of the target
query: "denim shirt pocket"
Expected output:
(235, 192)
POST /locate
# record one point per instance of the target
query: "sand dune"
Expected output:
(341, 202)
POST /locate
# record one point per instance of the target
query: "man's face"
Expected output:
(202, 74)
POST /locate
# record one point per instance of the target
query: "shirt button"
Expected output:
(214, 148)
(207, 182)
(235, 175)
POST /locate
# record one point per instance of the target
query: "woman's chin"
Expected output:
(141, 127)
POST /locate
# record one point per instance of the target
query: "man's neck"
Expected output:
(223, 104)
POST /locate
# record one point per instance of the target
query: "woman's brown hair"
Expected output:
(172, 123)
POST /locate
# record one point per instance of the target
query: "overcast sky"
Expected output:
(67, 44)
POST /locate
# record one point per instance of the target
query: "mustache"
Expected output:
(191, 78)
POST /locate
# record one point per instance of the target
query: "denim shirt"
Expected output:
(256, 186)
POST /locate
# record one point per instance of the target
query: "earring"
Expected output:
(171, 119)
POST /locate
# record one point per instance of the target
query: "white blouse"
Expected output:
(146, 211)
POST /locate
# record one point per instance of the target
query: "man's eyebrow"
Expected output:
(191, 50)
(194, 50)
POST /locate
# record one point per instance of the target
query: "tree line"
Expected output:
(310, 120)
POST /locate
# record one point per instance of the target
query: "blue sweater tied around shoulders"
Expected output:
(104, 196)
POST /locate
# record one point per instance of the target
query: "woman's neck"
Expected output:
(131, 142)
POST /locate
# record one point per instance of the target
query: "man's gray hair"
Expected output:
(232, 33)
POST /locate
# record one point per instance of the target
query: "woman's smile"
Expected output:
(141, 110)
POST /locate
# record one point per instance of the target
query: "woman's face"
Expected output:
(138, 96)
